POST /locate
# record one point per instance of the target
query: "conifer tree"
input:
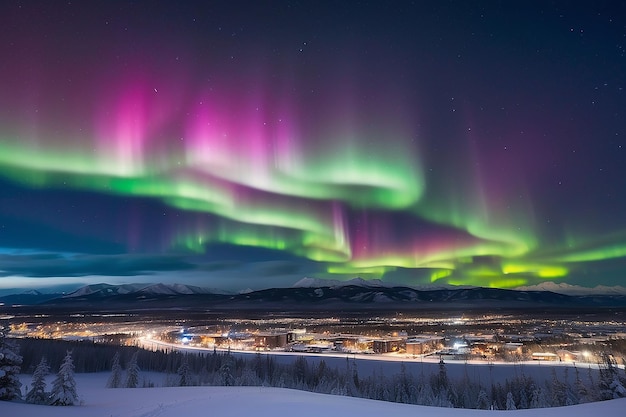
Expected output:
(558, 391)
(611, 385)
(225, 372)
(115, 379)
(538, 399)
(37, 393)
(132, 372)
(184, 374)
(523, 400)
(426, 396)
(258, 366)
(403, 386)
(10, 361)
(510, 402)
(248, 377)
(64, 385)
(482, 402)
(442, 378)
(581, 390)
(300, 369)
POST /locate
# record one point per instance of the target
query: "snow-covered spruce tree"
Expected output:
(115, 379)
(425, 395)
(37, 393)
(442, 378)
(510, 402)
(617, 387)
(226, 377)
(482, 403)
(184, 374)
(10, 361)
(132, 372)
(300, 370)
(64, 386)
(611, 384)
(248, 377)
(558, 391)
(538, 399)
(403, 386)
(581, 390)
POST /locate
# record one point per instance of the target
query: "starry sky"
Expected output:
(250, 144)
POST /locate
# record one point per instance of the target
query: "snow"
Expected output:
(561, 288)
(258, 401)
(106, 289)
(568, 289)
(390, 364)
(150, 289)
(359, 282)
(308, 282)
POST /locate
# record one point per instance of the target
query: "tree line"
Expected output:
(435, 389)
(63, 390)
(127, 363)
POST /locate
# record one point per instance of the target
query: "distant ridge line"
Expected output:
(308, 294)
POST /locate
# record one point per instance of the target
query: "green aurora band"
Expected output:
(343, 174)
(280, 216)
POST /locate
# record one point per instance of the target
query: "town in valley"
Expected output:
(492, 337)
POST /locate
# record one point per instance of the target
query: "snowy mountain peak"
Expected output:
(32, 292)
(173, 289)
(89, 289)
(145, 289)
(359, 282)
(158, 289)
(366, 283)
(308, 282)
(568, 289)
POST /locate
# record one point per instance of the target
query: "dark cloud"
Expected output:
(220, 266)
(256, 270)
(59, 265)
(276, 268)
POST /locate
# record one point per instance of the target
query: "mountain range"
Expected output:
(310, 294)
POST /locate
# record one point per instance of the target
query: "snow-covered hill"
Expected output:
(257, 401)
(550, 286)
(313, 293)
(106, 290)
(308, 282)
(568, 289)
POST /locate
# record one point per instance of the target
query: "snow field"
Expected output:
(98, 401)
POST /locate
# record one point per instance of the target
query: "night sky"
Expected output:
(251, 144)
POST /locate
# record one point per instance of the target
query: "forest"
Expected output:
(130, 367)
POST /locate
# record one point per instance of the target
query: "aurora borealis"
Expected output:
(252, 144)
